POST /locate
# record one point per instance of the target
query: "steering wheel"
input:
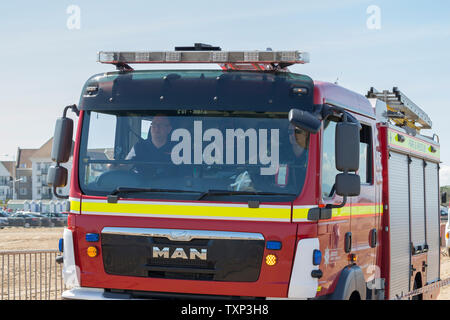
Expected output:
(116, 178)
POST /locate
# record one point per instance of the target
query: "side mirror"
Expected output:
(57, 176)
(304, 120)
(62, 140)
(443, 197)
(347, 146)
(348, 185)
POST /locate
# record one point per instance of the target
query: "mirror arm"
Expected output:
(74, 109)
(337, 206)
(329, 110)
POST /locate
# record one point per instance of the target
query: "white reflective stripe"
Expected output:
(71, 272)
(302, 284)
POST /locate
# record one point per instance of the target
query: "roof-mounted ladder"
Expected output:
(401, 110)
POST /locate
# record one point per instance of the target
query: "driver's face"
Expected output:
(160, 129)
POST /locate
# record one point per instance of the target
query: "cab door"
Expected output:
(332, 232)
(364, 206)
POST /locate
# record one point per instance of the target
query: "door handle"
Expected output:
(348, 242)
(373, 238)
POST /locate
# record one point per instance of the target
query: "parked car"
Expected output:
(3, 220)
(444, 213)
(58, 219)
(16, 221)
(29, 220)
(45, 221)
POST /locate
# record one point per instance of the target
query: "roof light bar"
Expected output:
(285, 58)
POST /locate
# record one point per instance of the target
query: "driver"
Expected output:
(156, 148)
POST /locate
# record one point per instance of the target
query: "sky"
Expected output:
(48, 49)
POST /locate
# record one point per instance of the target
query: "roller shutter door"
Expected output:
(432, 220)
(417, 198)
(399, 224)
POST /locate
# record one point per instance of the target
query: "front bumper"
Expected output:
(87, 294)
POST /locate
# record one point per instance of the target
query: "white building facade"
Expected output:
(5, 183)
(40, 189)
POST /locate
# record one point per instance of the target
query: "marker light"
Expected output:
(447, 235)
(92, 252)
(273, 245)
(317, 257)
(271, 259)
(61, 245)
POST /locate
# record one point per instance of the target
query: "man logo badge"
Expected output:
(179, 253)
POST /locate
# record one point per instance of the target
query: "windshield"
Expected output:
(192, 155)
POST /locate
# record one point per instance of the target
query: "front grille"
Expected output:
(153, 256)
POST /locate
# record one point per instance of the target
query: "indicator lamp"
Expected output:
(271, 259)
(92, 252)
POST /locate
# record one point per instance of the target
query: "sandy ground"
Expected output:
(15, 238)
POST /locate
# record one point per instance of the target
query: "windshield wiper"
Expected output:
(114, 196)
(240, 193)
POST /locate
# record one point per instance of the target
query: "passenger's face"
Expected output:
(298, 137)
(160, 129)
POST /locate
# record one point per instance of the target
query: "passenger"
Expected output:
(293, 173)
(299, 140)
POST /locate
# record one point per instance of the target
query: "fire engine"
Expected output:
(249, 181)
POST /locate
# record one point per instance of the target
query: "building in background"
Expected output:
(6, 180)
(40, 163)
(23, 183)
(23, 174)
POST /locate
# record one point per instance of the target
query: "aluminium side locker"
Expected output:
(399, 221)
(413, 192)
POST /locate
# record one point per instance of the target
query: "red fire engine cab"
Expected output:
(246, 182)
